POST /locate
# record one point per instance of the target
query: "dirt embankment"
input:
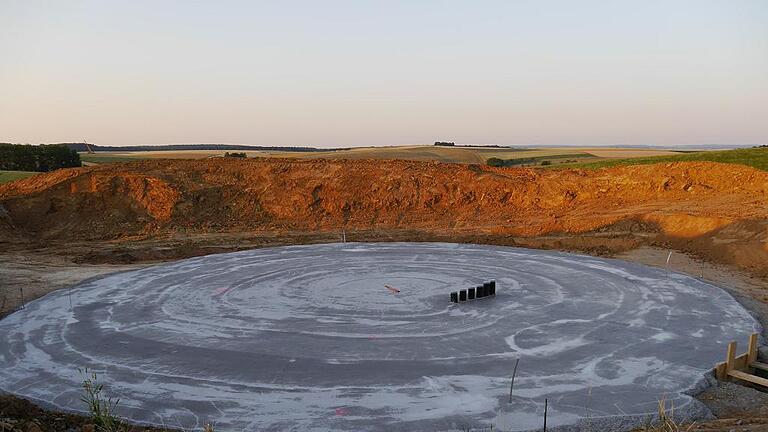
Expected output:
(716, 210)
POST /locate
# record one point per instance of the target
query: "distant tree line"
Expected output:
(41, 158)
(445, 143)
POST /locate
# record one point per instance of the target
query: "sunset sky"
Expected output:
(354, 73)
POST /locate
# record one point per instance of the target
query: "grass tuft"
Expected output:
(666, 420)
(101, 408)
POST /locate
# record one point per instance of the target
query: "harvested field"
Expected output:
(456, 154)
(628, 153)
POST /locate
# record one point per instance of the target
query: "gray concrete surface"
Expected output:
(308, 338)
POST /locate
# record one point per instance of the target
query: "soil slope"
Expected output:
(696, 206)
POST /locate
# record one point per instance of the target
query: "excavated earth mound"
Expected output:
(720, 208)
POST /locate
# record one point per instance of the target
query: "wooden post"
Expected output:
(731, 357)
(546, 402)
(737, 367)
(752, 350)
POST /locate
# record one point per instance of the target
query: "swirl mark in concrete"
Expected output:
(309, 338)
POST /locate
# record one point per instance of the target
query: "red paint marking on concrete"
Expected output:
(392, 290)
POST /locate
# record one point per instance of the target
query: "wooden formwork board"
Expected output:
(738, 366)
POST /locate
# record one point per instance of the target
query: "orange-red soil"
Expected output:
(716, 210)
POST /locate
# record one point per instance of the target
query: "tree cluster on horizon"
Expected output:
(40, 158)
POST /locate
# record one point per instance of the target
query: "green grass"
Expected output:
(106, 158)
(9, 176)
(537, 160)
(753, 157)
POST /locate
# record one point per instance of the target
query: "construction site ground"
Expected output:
(69, 226)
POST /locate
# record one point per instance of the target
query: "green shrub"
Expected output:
(495, 162)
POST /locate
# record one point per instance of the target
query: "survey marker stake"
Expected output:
(21, 293)
(512, 385)
(545, 414)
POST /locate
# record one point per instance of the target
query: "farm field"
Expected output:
(458, 154)
(123, 216)
(753, 157)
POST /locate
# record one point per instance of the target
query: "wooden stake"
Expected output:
(731, 357)
(21, 293)
(748, 377)
(752, 350)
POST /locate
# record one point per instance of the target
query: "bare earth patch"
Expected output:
(41, 271)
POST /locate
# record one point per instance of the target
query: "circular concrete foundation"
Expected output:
(310, 338)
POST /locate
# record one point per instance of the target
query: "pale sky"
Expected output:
(354, 73)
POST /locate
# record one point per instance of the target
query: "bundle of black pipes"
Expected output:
(485, 290)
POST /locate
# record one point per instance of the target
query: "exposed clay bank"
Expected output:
(308, 337)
